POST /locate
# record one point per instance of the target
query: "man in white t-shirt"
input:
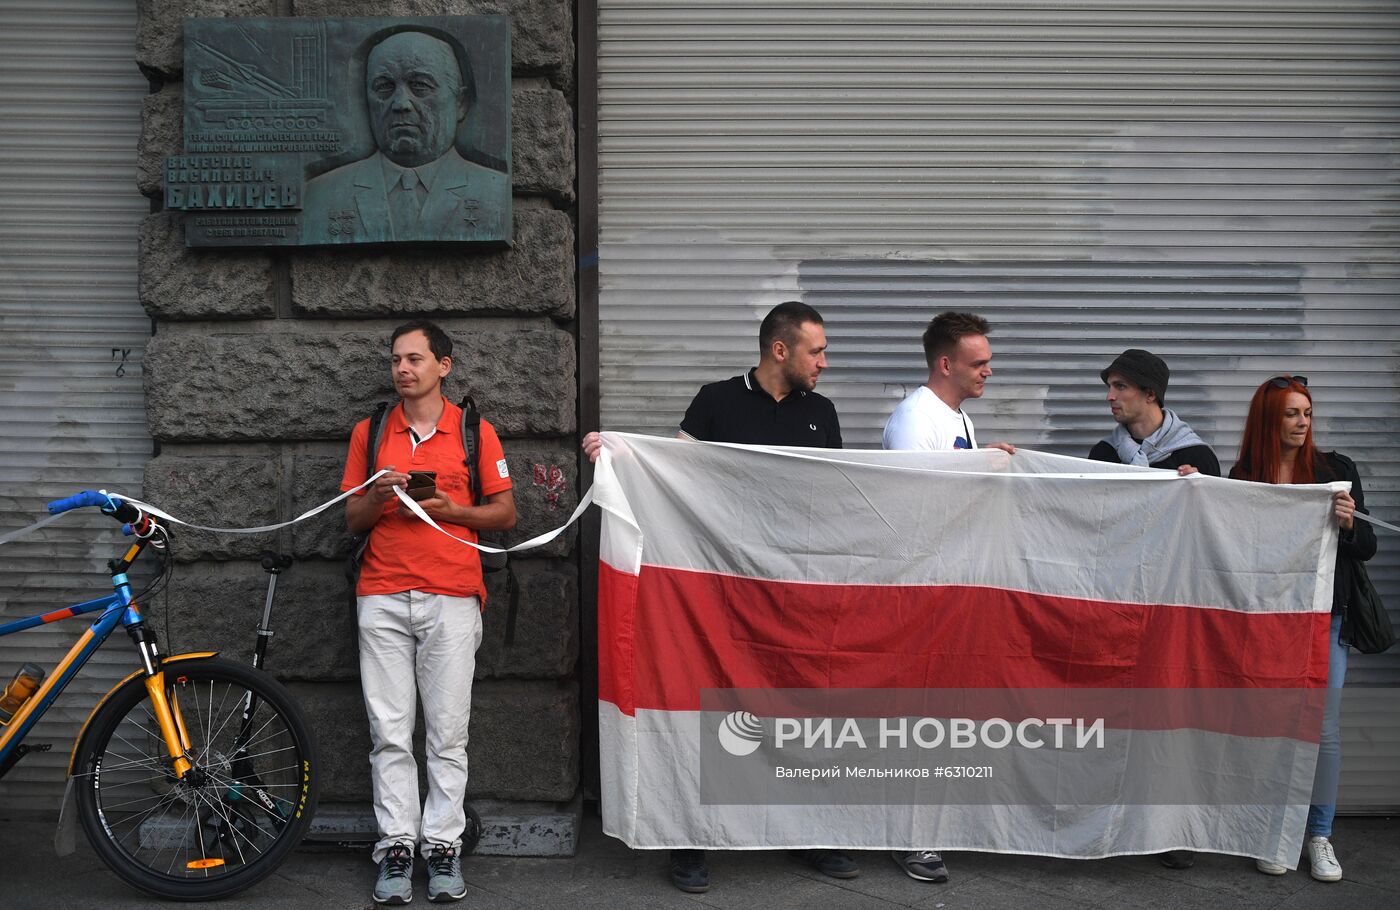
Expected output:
(931, 418)
(959, 362)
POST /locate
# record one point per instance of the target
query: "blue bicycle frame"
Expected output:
(116, 608)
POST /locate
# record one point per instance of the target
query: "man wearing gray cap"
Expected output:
(1148, 433)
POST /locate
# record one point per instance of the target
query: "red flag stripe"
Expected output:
(673, 632)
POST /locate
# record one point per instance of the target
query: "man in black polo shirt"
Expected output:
(772, 404)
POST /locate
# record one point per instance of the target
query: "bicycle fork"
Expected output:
(166, 708)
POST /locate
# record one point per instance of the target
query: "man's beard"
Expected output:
(799, 382)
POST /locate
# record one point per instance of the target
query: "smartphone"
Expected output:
(422, 484)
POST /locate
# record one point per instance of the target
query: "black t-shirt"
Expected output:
(1202, 458)
(738, 410)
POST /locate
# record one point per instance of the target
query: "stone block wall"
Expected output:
(263, 361)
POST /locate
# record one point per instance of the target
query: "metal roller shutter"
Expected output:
(71, 337)
(1213, 179)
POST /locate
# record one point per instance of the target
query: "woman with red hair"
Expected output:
(1277, 447)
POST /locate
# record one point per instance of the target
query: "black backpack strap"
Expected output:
(372, 441)
(471, 444)
(375, 436)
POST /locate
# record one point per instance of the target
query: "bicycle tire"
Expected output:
(234, 818)
(471, 834)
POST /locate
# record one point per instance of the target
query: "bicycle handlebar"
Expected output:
(111, 505)
(80, 501)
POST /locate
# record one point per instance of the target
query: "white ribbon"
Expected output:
(583, 503)
(530, 544)
(1376, 521)
(158, 513)
(537, 541)
(29, 529)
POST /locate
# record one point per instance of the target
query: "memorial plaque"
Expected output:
(315, 132)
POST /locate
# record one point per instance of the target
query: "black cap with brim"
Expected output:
(1143, 369)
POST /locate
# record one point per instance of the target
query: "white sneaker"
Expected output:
(1323, 860)
(1269, 868)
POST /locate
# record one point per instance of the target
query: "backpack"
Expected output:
(471, 443)
(1365, 623)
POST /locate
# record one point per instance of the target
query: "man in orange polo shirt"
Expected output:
(418, 602)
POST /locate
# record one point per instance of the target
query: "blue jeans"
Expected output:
(1329, 753)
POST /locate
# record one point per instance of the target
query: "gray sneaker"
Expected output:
(395, 882)
(445, 875)
(924, 865)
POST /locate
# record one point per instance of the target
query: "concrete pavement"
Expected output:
(608, 876)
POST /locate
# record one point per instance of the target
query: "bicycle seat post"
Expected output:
(273, 564)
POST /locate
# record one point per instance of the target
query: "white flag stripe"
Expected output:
(656, 803)
(1194, 541)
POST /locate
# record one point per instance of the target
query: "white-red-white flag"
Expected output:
(1194, 609)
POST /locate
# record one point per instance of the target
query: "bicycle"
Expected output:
(195, 776)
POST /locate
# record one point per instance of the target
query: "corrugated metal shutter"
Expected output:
(1213, 179)
(73, 408)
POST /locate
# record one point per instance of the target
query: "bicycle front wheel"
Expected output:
(231, 819)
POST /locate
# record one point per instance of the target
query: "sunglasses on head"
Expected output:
(1281, 382)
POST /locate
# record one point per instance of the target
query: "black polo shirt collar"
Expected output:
(751, 383)
(739, 410)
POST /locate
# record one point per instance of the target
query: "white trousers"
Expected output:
(413, 644)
